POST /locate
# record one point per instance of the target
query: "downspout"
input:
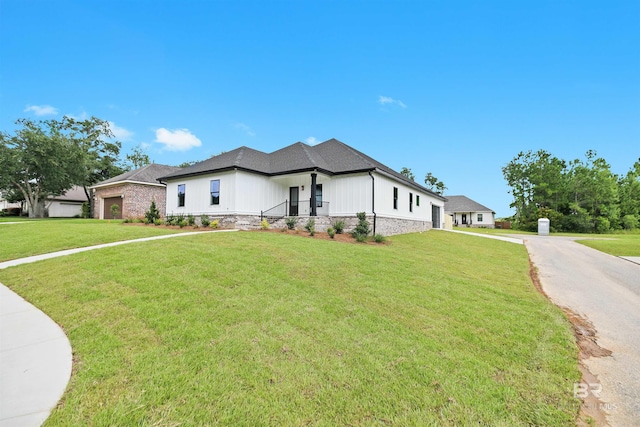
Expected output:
(373, 201)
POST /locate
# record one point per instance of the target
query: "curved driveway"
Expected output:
(606, 290)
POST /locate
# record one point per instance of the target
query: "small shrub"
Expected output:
(152, 214)
(360, 238)
(115, 210)
(379, 238)
(362, 228)
(191, 220)
(205, 221)
(170, 220)
(264, 224)
(331, 232)
(338, 226)
(182, 223)
(127, 220)
(157, 221)
(86, 210)
(215, 223)
(291, 222)
(311, 226)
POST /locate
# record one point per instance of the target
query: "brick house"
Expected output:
(132, 191)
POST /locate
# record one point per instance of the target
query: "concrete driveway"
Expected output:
(606, 290)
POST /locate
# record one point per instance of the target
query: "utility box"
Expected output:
(543, 227)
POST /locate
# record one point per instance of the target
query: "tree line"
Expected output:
(581, 195)
(47, 158)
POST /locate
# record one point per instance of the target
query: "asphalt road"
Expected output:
(606, 290)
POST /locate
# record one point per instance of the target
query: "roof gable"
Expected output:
(149, 174)
(464, 204)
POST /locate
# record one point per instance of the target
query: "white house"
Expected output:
(467, 212)
(328, 181)
(66, 205)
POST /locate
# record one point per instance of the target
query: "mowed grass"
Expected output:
(622, 243)
(35, 237)
(616, 244)
(246, 329)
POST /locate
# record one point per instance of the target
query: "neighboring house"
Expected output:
(132, 191)
(328, 181)
(9, 208)
(467, 212)
(67, 205)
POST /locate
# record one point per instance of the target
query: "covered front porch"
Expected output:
(305, 194)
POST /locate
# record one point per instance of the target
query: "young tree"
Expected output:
(39, 161)
(407, 172)
(138, 157)
(434, 184)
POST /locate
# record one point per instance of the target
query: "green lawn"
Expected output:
(246, 329)
(616, 244)
(34, 237)
(622, 243)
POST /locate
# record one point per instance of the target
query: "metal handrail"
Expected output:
(271, 214)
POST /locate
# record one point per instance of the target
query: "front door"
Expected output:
(464, 218)
(435, 216)
(293, 201)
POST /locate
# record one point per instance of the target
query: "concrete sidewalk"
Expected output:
(35, 354)
(35, 366)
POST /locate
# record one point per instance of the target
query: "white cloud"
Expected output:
(41, 110)
(145, 145)
(384, 100)
(120, 133)
(81, 117)
(177, 140)
(246, 129)
(312, 140)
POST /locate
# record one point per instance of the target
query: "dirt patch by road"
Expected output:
(586, 339)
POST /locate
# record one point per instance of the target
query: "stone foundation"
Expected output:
(384, 226)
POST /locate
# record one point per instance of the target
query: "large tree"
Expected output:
(49, 157)
(101, 151)
(39, 161)
(581, 195)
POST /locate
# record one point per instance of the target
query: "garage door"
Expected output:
(435, 216)
(107, 214)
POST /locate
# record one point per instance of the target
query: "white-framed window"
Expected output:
(181, 193)
(215, 191)
(479, 217)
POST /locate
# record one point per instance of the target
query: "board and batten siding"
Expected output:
(384, 201)
(198, 195)
(246, 193)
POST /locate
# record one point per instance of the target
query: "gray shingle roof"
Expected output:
(149, 173)
(331, 157)
(463, 204)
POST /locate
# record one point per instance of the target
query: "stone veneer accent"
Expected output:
(137, 198)
(384, 226)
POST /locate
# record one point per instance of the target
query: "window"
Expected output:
(479, 217)
(410, 202)
(417, 200)
(395, 197)
(319, 195)
(181, 195)
(215, 192)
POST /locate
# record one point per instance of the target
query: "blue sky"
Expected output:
(454, 88)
